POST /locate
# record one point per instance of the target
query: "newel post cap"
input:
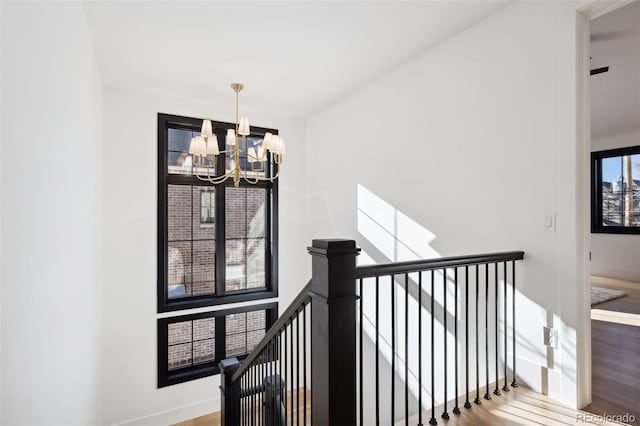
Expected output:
(333, 247)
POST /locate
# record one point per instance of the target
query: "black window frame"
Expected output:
(168, 377)
(597, 226)
(221, 296)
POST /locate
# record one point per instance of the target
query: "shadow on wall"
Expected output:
(389, 235)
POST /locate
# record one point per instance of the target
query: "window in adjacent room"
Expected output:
(615, 206)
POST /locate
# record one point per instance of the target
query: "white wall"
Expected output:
(615, 122)
(1, 398)
(51, 189)
(129, 379)
(473, 142)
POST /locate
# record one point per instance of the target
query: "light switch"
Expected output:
(550, 222)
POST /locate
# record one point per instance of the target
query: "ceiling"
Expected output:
(294, 57)
(615, 95)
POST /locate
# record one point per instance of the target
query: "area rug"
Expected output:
(599, 295)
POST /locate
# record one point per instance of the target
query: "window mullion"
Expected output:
(220, 260)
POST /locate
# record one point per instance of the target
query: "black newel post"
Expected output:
(333, 327)
(230, 393)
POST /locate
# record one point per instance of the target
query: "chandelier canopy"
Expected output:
(257, 163)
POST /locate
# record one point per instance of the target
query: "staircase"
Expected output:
(397, 343)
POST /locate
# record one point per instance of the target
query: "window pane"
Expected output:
(204, 201)
(179, 332)
(235, 212)
(179, 160)
(203, 351)
(256, 320)
(253, 338)
(236, 337)
(253, 168)
(236, 344)
(236, 323)
(180, 356)
(236, 266)
(245, 230)
(255, 212)
(255, 263)
(244, 332)
(621, 191)
(191, 342)
(179, 212)
(204, 329)
(191, 244)
(179, 269)
(204, 269)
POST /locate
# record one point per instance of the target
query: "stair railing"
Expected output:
(310, 367)
(275, 384)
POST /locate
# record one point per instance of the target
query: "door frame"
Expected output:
(584, 16)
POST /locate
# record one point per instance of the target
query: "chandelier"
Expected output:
(257, 163)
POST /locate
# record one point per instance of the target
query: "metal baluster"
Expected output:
(360, 390)
(243, 405)
(297, 368)
(393, 350)
(433, 420)
(514, 383)
(419, 348)
(261, 394)
(286, 376)
(477, 400)
(506, 386)
(253, 395)
(280, 380)
(406, 349)
(293, 407)
(467, 404)
(304, 361)
(487, 395)
(496, 391)
(377, 352)
(278, 402)
(269, 420)
(445, 414)
(456, 409)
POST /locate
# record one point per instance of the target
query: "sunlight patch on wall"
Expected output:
(393, 233)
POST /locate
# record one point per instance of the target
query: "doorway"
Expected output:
(609, 97)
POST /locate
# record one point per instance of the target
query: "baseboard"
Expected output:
(176, 415)
(614, 281)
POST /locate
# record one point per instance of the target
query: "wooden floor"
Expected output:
(615, 345)
(213, 419)
(520, 406)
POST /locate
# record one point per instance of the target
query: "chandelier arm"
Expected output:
(213, 180)
(246, 177)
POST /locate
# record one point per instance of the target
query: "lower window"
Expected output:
(191, 346)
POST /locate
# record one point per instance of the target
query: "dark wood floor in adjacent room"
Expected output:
(615, 340)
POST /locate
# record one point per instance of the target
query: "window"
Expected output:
(216, 244)
(207, 209)
(189, 346)
(615, 199)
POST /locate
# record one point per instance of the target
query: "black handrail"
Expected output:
(369, 271)
(296, 305)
